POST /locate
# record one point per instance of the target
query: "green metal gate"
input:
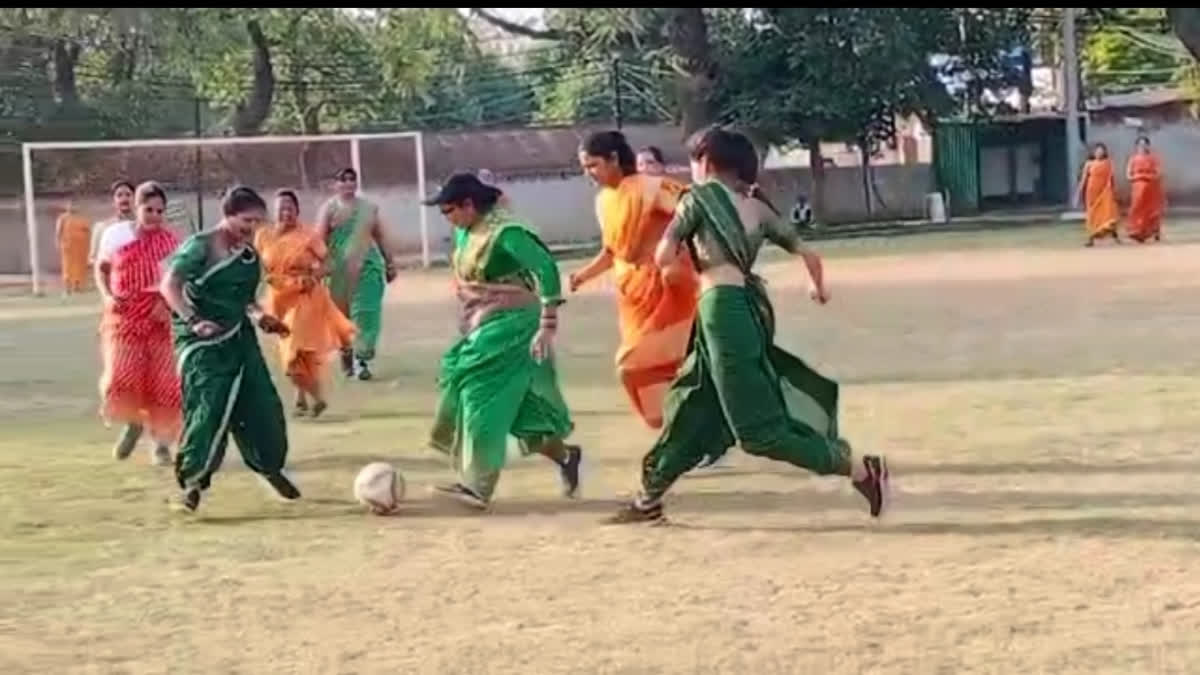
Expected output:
(956, 160)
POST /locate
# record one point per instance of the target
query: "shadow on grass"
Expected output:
(358, 460)
(1112, 527)
(1007, 501)
(1064, 467)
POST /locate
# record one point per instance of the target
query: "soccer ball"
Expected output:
(379, 487)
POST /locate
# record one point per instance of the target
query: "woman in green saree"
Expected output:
(499, 378)
(736, 386)
(362, 267)
(211, 284)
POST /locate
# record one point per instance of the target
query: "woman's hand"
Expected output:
(818, 294)
(205, 328)
(543, 341)
(543, 344)
(270, 324)
(575, 281)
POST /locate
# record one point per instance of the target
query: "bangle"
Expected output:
(549, 318)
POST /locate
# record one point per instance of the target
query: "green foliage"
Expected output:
(835, 74)
(1115, 58)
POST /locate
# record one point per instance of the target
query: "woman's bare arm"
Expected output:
(595, 267)
(102, 271)
(171, 290)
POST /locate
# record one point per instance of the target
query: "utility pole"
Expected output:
(1071, 102)
(616, 91)
(198, 131)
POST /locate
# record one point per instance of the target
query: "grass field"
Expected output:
(1039, 404)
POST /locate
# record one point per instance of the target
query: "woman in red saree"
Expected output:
(1149, 198)
(655, 306)
(139, 385)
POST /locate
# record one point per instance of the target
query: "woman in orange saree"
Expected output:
(1097, 187)
(74, 234)
(139, 385)
(1149, 199)
(655, 306)
(293, 256)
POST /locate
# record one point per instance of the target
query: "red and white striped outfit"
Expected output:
(139, 383)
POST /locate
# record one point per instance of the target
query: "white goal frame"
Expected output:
(27, 149)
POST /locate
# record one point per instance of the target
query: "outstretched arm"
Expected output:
(784, 235)
(595, 267)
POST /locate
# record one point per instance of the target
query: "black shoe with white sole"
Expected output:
(568, 471)
(283, 486)
(187, 501)
(461, 494)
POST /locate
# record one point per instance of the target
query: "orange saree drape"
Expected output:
(292, 259)
(655, 307)
(1148, 198)
(1100, 198)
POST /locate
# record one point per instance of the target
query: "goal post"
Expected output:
(391, 169)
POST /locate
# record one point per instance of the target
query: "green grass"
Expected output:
(1039, 403)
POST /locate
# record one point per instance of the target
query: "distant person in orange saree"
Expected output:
(1149, 197)
(1098, 189)
(655, 306)
(293, 256)
(74, 234)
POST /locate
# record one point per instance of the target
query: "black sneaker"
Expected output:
(318, 408)
(875, 486)
(348, 362)
(461, 494)
(283, 486)
(569, 471)
(362, 371)
(636, 513)
(187, 501)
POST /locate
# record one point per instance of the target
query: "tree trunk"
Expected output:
(1185, 21)
(816, 189)
(66, 55)
(249, 115)
(687, 33)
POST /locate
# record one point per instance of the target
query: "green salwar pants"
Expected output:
(735, 387)
(227, 389)
(490, 389)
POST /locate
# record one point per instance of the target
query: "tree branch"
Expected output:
(516, 28)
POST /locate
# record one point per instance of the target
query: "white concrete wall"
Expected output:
(1177, 145)
(560, 208)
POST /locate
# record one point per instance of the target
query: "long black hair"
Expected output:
(732, 152)
(609, 144)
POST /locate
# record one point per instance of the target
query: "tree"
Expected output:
(1185, 21)
(665, 40)
(1114, 60)
(806, 76)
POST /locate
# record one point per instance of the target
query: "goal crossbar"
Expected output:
(354, 140)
